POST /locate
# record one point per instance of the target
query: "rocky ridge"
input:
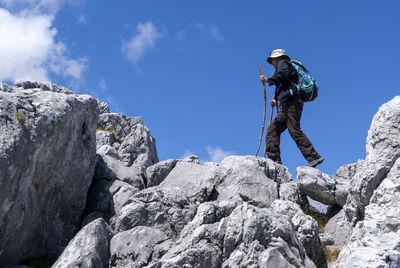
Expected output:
(86, 185)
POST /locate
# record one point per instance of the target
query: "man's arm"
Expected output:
(281, 74)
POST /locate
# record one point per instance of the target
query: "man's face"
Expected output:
(274, 62)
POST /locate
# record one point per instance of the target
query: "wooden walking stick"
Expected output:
(270, 118)
(265, 108)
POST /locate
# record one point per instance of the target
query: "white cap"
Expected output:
(276, 54)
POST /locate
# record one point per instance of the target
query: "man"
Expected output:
(289, 108)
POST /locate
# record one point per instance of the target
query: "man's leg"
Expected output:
(294, 111)
(273, 137)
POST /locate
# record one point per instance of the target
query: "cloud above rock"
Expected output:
(29, 49)
(141, 42)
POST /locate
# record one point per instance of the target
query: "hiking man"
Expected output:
(289, 108)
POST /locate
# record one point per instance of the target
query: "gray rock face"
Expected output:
(90, 247)
(251, 179)
(126, 149)
(47, 158)
(197, 182)
(246, 237)
(156, 173)
(339, 229)
(107, 197)
(137, 247)
(375, 241)
(305, 226)
(167, 209)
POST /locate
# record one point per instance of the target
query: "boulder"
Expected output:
(317, 185)
(47, 159)
(322, 187)
(89, 248)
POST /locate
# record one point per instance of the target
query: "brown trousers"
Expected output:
(288, 118)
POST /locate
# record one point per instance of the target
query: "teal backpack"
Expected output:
(306, 87)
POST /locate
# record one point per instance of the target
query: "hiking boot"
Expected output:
(316, 162)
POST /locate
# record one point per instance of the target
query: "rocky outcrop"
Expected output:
(47, 159)
(125, 149)
(367, 226)
(374, 241)
(216, 215)
(245, 211)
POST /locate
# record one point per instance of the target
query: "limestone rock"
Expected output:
(322, 187)
(47, 158)
(196, 181)
(305, 226)
(89, 248)
(348, 171)
(125, 148)
(106, 197)
(110, 166)
(138, 247)
(339, 229)
(166, 209)
(156, 173)
(245, 178)
(375, 241)
(326, 239)
(317, 185)
(246, 236)
(103, 108)
(290, 191)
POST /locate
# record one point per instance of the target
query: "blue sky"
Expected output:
(190, 68)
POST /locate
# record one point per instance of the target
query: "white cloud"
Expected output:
(36, 6)
(199, 26)
(217, 154)
(29, 50)
(103, 85)
(146, 36)
(212, 31)
(215, 34)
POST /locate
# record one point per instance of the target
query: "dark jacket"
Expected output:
(284, 78)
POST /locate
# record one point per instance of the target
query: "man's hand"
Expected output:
(263, 79)
(273, 103)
